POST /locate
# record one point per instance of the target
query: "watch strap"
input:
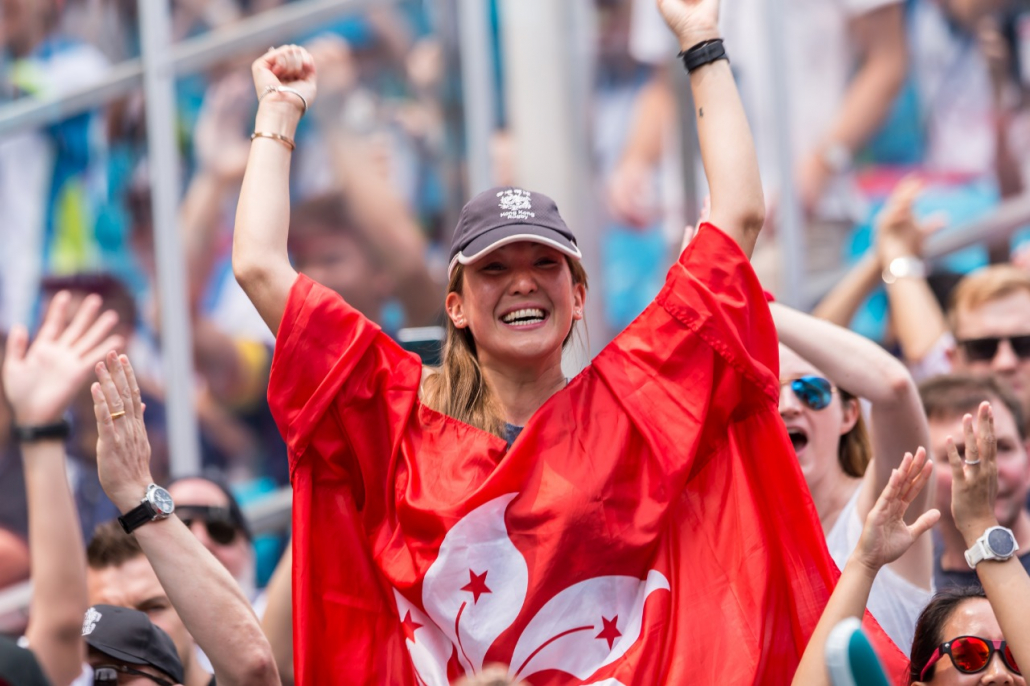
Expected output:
(703, 53)
(976, 554)
(40, 432)
(137, 516)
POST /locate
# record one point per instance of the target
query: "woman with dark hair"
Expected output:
(824, 372)
(492, 510)
(963, 636)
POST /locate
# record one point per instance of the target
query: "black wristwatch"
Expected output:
(156, 504)
(41, 432)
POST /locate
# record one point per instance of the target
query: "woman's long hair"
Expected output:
(457, 388)
(855, 449)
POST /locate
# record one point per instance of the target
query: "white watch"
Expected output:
(904, 267)
(997, 543)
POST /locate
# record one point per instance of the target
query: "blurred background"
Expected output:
(124, 133)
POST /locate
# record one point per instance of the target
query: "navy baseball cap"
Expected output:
(129, 635)
(506, 215)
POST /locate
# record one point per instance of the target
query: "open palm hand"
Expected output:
(40, 380)
(885, 536)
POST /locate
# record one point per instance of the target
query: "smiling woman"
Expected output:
(492, 510)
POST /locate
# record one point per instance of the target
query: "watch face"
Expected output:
(1001, 542)
(162, 500)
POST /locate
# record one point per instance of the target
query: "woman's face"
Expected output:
(519, 302)
(974, 617)
(815, 434)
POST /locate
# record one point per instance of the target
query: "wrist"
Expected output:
(975, 528)
(278, 117)
(128, 497)
(693, 37)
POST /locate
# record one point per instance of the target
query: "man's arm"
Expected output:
(727, 149)
(40, 381)
(879, 36)
(204, 594)
(278, 619)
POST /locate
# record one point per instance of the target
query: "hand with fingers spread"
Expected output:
(974, 472)
(40, 380)
(123, 451)
(886, 536)
(898, 232)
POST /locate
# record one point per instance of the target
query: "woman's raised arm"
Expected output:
(259, 257)
(727, 150)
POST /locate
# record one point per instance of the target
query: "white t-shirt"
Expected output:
(895, 602)
(819, 63)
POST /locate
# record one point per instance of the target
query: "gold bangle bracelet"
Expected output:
(288, 142)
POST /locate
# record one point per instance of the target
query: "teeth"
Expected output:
(525, 316)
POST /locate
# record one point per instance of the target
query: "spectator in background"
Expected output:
(40, 381)
(824, 370)
(19, 667)
(122, 641)
(120, 574)
(48, 183)
(947, 399)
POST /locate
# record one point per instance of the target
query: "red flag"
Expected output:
(649, 526)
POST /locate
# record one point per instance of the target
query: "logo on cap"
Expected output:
(89, 622)
(516, 204)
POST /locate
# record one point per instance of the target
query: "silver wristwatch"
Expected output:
(997, 543)
(156, 504)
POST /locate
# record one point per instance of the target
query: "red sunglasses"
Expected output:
(971, 654)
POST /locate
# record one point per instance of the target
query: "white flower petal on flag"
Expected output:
(430, 650)
(585, 627)
(476, 587)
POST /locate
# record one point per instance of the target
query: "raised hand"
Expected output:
(885, 536)
(290, 66)
(220, 142)
(123, 451)
(40, 380)
(898, 232)
(692, 21)
(974, 483)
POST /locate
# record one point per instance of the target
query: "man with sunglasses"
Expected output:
(946, 400)
(126, 648)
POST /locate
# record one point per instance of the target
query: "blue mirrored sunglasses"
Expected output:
(814, 392)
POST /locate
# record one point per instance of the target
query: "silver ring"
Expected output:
(971, 462)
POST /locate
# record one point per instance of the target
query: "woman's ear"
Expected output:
(455, 306)
(579, 301)
(852, 410)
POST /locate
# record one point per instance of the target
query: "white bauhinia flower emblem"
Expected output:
(89, 622)
(476, 589)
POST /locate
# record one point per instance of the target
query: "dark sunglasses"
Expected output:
(814, 392)
(217, 521)
(985, 349)
(108, 674)
(971, 654)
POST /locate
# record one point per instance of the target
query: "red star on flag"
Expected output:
(609, 633)
(476, 585)
(409, 625)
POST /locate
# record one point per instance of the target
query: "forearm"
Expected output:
(210, 603)
(651, 118)
(728, 154)
(840, 304)
(872, 90)
(59, 597)
(278, 620)
(260, 257)
(918, 320)
(387, 223)
(848, 599)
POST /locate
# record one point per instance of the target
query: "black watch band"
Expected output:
(41, 432)
(137, 517)
(703, 53)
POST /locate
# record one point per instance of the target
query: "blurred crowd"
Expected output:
(904, 117)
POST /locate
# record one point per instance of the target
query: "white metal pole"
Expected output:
(176, 338)
(477, 80)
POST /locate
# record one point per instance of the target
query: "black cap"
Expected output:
(507, 215)
(128, 635)
(19, 667)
